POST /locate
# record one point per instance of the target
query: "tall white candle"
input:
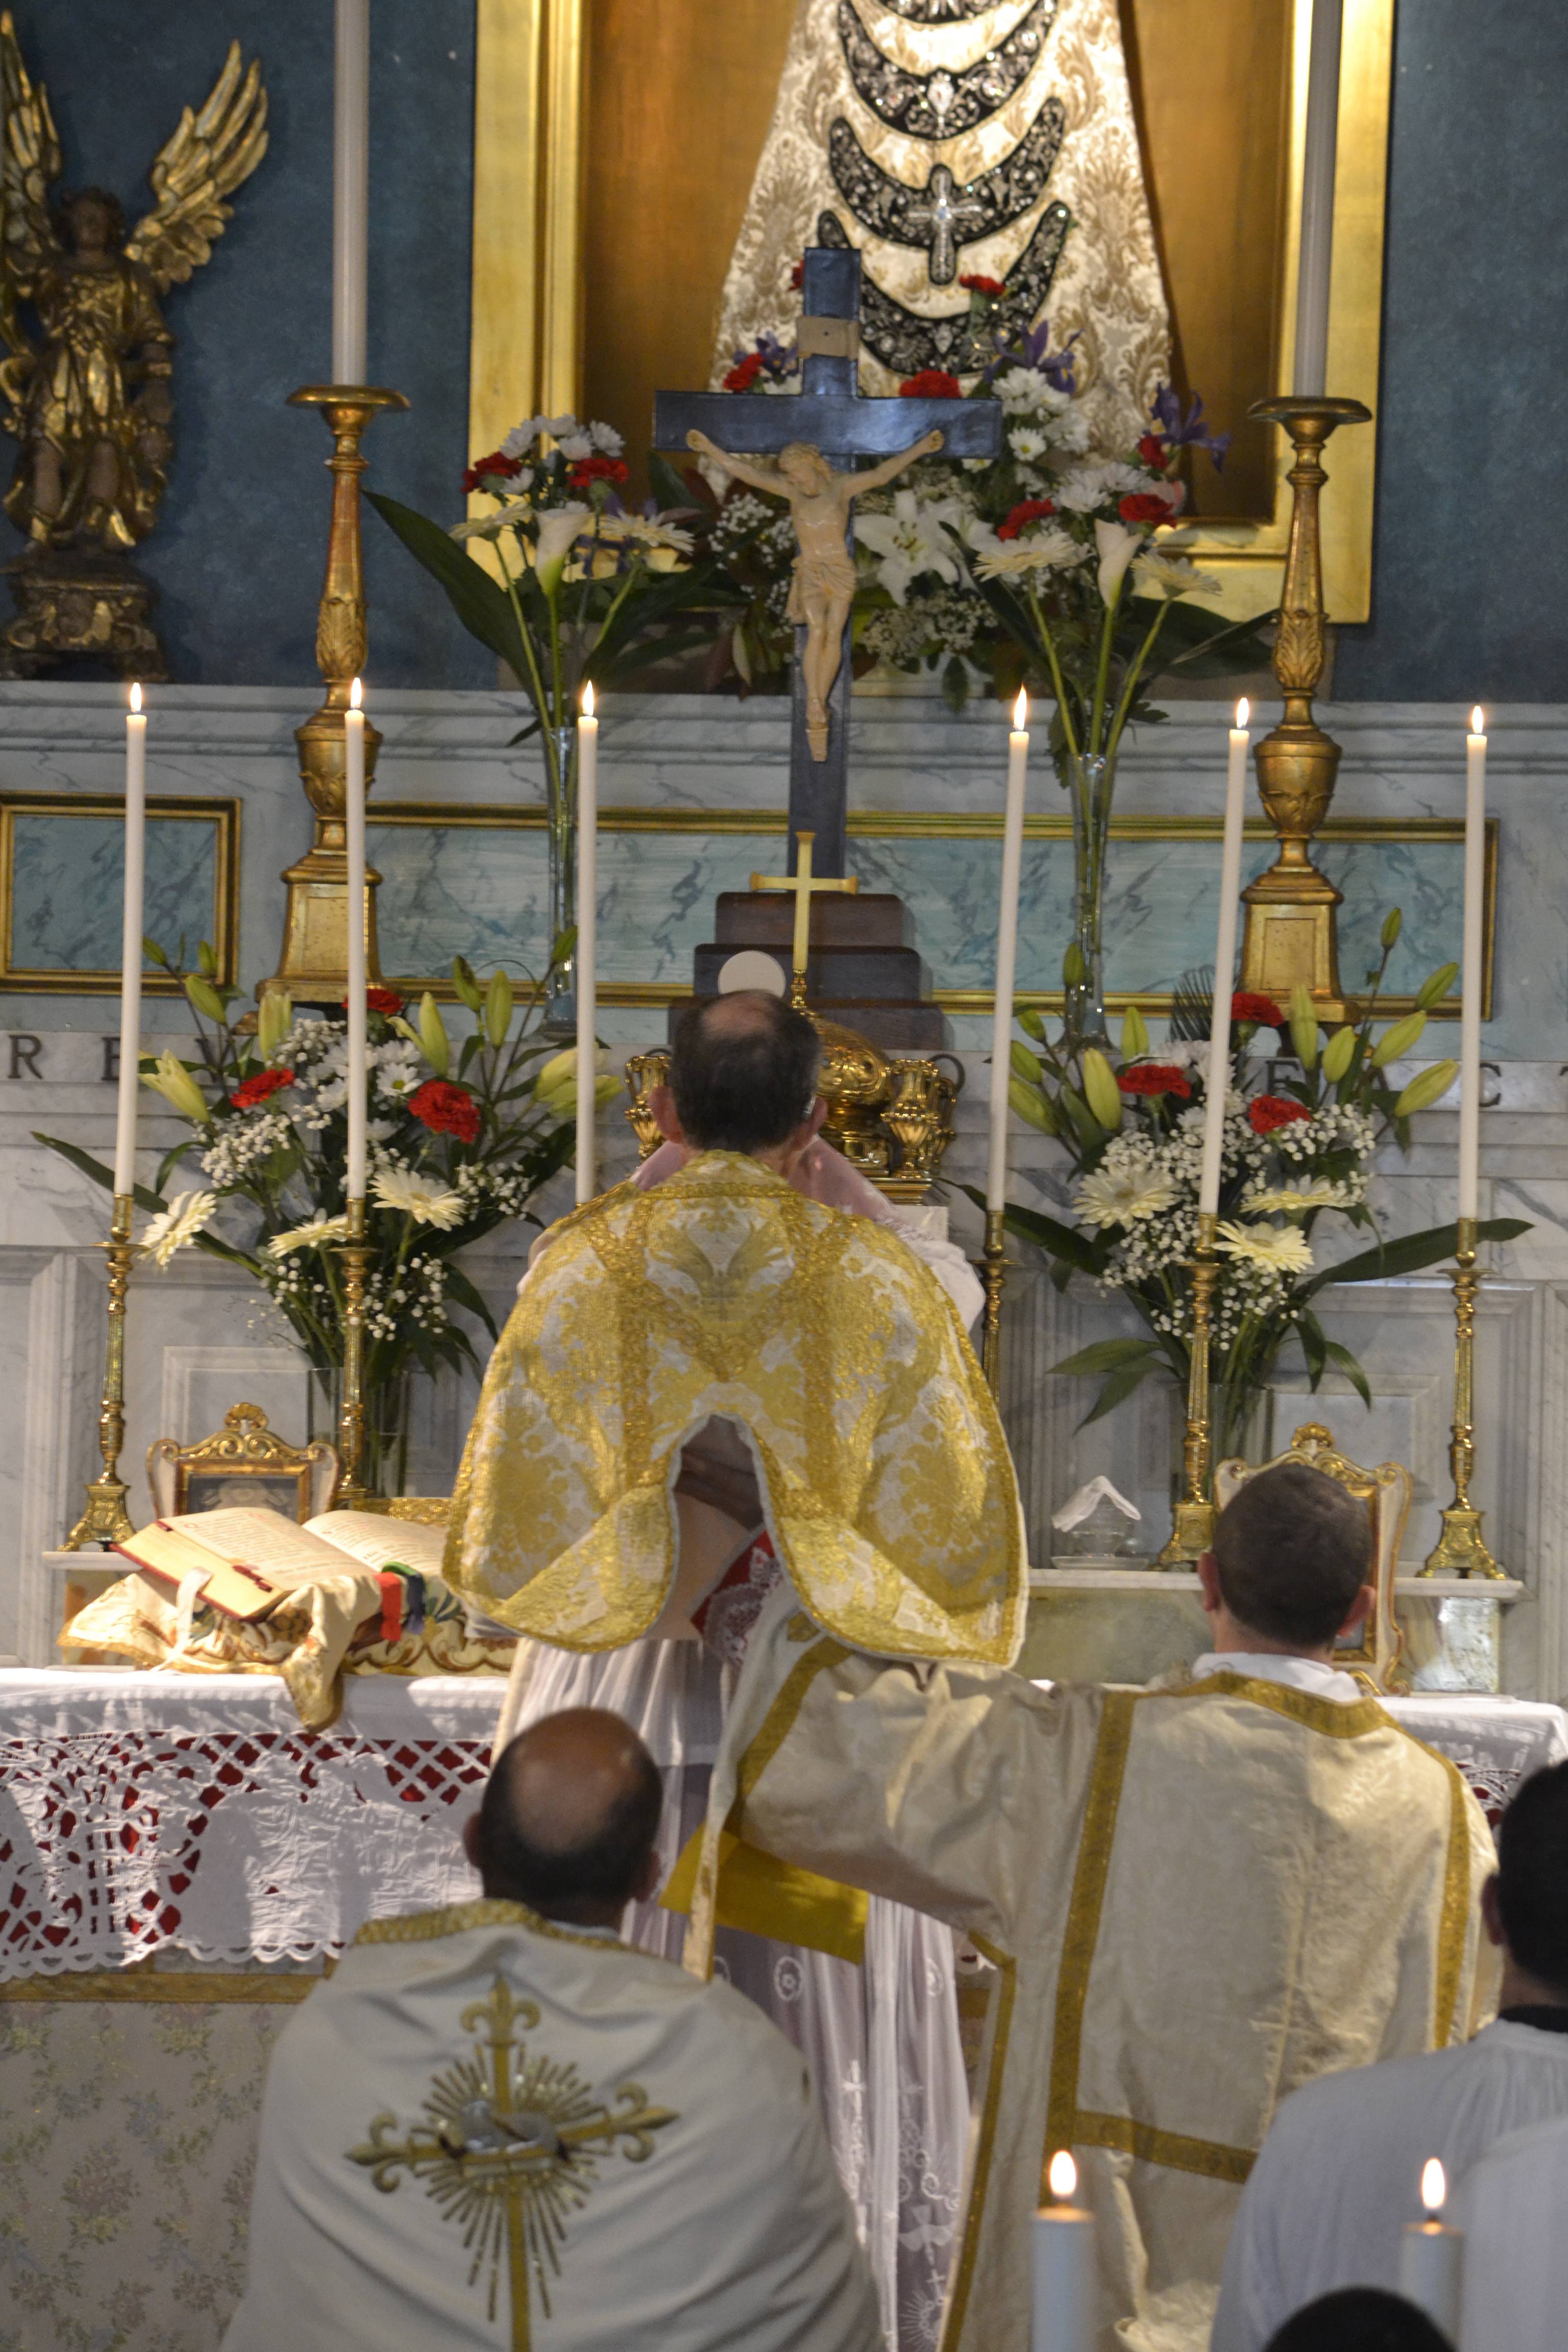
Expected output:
(351, 188)
(1471, 1017)
(1065, 2285)
(587, 911)
(1315, 265)
(1432, 2258)
(130, 945)
(1224, 966)
(353, 844)
(1007, 954)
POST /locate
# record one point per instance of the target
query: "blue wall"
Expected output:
(238, 548)
(1471, 579)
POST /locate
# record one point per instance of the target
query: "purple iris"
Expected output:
(1033, 350)
(1189, 432)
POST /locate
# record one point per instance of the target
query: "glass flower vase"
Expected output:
(383, 1457)
(1089, 784)
(561, 812)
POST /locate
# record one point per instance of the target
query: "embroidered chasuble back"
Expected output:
(886, 1478)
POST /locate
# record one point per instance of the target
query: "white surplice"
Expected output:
(1514, 2210)
(1339, 2173)
(881, 2040)
(490, 2132)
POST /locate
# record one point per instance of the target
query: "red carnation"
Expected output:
(384, 1001)
(1027, 512)
(932, 383)
(251, 1091)
(992, 287)
(1151, 450)
(1268, 1111)
(596, 469)
(1155, 1078)
(798, 275)
(486, 472)
(1244, 1006)
(1144, 506)
(744, 372)
(447, 1110)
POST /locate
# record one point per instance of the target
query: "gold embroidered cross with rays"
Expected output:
(510, 2149)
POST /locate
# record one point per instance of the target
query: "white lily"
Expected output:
(415, 1196)
(910, 541)
(187, 1214)
(1117, 545)
(310, 1235)
(555, 531)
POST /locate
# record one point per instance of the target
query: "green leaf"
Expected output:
(1350, 1368)
(1058, 1239)
(1118, 1388)
(143, 1198)
(479, 603)
(1410, 1254)
(459, 1287)
(1105, 1356)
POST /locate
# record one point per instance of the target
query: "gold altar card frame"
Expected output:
(527, 331)
(245, 1463)
(918, 825)
(220, 923)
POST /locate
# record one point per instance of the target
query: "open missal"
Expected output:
(247, 1559)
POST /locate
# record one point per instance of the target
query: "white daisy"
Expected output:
(1026, 441)
(310, 1236)
(1293, 1200)
(1280, 1249)
(1050, 549)
(1021, 390)
(187, 1215)
(605, 438)
(1169, 576)
(417, 1197)
(1091, 486)
(1123, 1196)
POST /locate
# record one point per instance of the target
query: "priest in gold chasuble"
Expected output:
(1194, 1897)
(724, 1295)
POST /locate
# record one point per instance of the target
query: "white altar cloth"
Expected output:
(142, 1812)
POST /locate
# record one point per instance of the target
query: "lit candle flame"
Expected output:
(354, 697)
(1021, 713)
(588, 699)
(1477, 720)
(1062, 2175)
(136, 697)
(1243, 713)
(1434, 2186)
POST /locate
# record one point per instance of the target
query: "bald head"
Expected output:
(569, 1818)
(743, 1073)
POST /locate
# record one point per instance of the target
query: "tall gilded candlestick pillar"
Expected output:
(355, 1253)
(1291, 936)
(104, 1521)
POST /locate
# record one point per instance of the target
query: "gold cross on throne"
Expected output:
(508, 2151)
(803, 886)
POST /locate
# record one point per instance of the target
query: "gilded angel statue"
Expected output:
(85, 382)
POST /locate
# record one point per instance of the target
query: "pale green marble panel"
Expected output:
(68, 886)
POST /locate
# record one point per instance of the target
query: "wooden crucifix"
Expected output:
(826, 420)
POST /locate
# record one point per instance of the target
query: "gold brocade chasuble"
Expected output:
(1194, 1898)
(886, 1480)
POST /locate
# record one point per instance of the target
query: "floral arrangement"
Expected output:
(1304, 1116)
(461, 1136)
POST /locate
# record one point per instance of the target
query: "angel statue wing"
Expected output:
(29, 164)
(207, 158)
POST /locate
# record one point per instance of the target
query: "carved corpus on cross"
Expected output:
(802, 883)
(828, 419)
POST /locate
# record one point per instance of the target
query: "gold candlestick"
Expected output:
(313, 965)
(1289, 934)
(355, 1255)
(104, 1521)
(994, 1274)
(1461, 1548)
(1193, 1534)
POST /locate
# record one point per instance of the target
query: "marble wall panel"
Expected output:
(67, 885)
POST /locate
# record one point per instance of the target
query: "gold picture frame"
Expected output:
(526, 341)
(220, 923)
(244, 1462)
(921, 825)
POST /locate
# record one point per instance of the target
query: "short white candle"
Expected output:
(1065, 2281)
(1432, 2258)
(1471, 1017)
(1224, 966)
(587, 977)
(1007, 954)
(1315, 266)
(131, 946)
(354, 845)
(351, 188)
